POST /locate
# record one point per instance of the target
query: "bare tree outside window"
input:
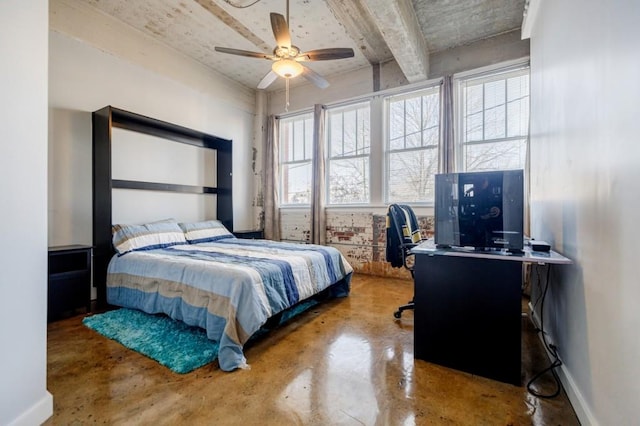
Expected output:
(412, 145)
(494, 121)
(349, 146)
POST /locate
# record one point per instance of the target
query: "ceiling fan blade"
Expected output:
(267, 80)
(314, 77)
(327, 54)
(242, 52)
(280, 30)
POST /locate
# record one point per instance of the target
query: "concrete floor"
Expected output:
(344, 362)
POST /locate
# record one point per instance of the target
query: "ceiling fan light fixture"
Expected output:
(287, 68)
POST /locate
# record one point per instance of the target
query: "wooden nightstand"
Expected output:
(249, 234)
(69, 279)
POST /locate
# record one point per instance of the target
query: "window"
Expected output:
(349, 145)
(493, 121)
(296, 141)
(413, 133)
(387, 147)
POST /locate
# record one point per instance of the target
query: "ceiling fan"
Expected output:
(286, 57)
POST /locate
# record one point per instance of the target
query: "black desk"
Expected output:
(468, 309)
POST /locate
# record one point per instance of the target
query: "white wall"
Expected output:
(96, 61)
(23, 229)
(585, 158)
(490, 51)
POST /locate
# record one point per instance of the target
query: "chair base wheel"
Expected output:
(397, 314)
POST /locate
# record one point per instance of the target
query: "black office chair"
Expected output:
(403, 234)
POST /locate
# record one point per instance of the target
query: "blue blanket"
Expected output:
(229, 287)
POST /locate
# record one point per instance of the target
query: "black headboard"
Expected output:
(103, 121)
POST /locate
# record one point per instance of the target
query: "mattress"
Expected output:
(229, 287)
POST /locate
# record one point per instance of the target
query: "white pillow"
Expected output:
(204, 232)
(148, 236)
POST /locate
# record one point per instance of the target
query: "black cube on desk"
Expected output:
(468, 308)
(69, 286)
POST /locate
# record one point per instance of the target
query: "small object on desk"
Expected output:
(249, 234)
(537, 245)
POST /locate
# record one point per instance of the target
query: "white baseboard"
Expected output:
(578, 402)
(37, 414)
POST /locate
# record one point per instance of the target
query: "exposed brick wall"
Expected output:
(360, 237)
(295, 226)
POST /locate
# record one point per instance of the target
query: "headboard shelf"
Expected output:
(150, 126)
(155, 186)
(109, 117)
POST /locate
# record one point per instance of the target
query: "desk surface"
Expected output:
(527, 256)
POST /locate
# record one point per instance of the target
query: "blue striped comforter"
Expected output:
(229, 287)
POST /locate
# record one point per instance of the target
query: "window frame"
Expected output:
(485, 75)
(329, 157)
(435, 87)
(282, 163)
(379, 135)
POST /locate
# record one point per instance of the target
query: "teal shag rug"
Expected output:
(177, 346)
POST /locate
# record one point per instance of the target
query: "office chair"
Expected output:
(403, 234)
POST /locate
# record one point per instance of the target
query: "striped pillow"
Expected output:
(149, 236)
(202, 232)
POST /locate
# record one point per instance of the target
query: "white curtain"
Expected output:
(271, 178)
(318, 216)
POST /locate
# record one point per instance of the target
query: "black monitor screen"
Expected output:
(480, 209)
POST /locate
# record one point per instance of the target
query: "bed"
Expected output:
(228, 286)
(197, 272)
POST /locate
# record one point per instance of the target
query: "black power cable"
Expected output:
(551, 349)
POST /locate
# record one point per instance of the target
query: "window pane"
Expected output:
(411, 175)
(396, 120)
(349, 181)
(414, 140)
(413, 115)
(497, 113)
(431, 110)
(286, 142)
(296, 184)
(518, 118)
(494, 122)
(494, 94)
(410, 167)
(431, 136)
(364, 136)
(349, 136)
(474, 127)
(496, 156)
(335, 134)
(473, 99)
(308, 139)
(298, 141)
(517, 87)
(348, 130)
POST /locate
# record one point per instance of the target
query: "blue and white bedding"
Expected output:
(228, 287)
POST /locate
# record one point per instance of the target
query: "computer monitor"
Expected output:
(483, 210)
